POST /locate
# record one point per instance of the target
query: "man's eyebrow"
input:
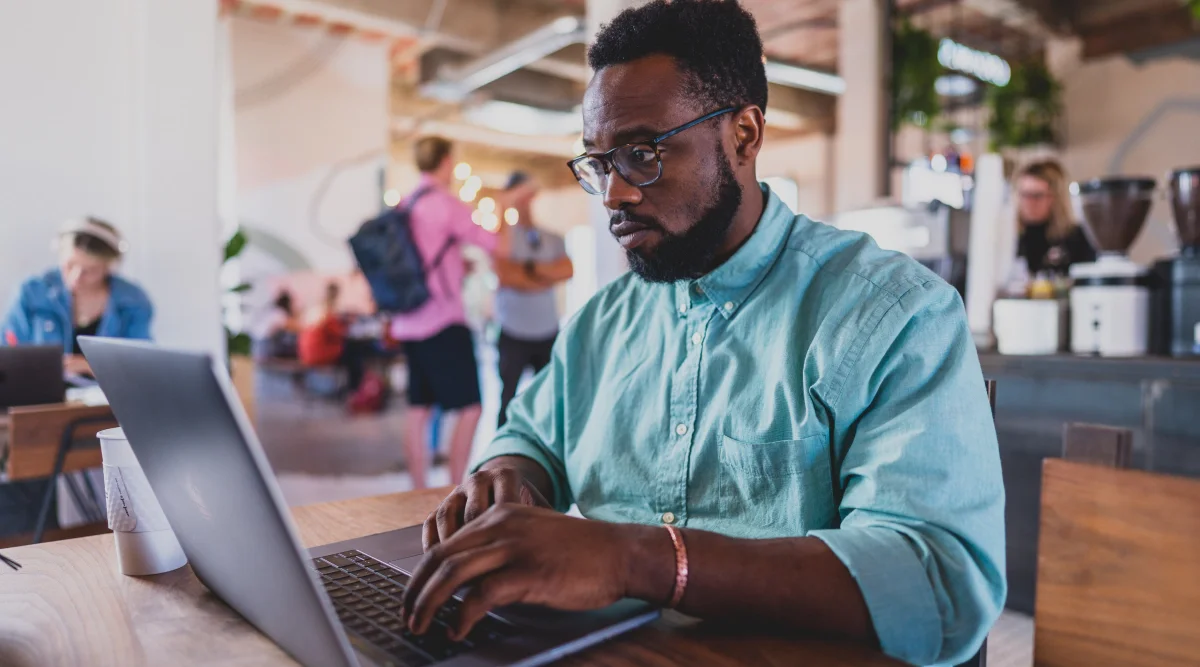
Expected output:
(629, 135)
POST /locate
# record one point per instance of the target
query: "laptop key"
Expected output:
(409, 658)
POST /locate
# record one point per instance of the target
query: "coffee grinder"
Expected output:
(1175, 304)
(1110, 298)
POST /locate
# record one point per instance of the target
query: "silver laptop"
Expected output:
(328, 606)
(31, 375)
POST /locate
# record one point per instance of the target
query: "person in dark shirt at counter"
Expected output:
(1049, 241)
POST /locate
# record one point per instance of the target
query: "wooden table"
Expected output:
(70, 606)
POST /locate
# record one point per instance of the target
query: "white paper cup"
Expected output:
(145, 542)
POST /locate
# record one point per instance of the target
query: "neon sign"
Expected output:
(982, 65)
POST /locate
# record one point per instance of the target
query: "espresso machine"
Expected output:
(1110, 298)
(1175, 304)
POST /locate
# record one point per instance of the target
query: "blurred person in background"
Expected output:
(438, 346)
(83, 296)
(275, 334)
(323, 340)
(1049, 240)
(531, 262)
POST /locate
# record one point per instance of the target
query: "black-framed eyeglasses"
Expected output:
(639, 163)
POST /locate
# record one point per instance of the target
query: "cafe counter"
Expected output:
(1156, 398)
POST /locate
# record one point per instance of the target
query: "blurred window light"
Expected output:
(491, 222)
(391, 197)
(511, 216)
(474, 183)
(487, 205)
(923, 184)
(802, 77)
(467, 194)
(523, 119)
(477, 217)
(786, 189)
(982, 65)
(462, 171)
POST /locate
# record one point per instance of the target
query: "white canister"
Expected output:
(145, 542)
(1027, 326)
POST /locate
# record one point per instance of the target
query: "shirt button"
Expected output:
(682, 308)
(728, 306)
(681, 429)
(696, 338)
(668, 518)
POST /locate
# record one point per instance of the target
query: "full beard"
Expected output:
(692, 254)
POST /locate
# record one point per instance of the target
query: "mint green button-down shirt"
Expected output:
(814, 385)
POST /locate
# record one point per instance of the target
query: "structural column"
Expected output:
(861, 146)
(610, 261)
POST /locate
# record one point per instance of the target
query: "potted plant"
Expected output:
(915, 69)
(1026, 112)
(238, 343)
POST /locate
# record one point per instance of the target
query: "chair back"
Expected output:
(1118, 577)
(35, 432)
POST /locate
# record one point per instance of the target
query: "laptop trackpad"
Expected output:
(407, 565)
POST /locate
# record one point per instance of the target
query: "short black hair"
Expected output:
(715, 43)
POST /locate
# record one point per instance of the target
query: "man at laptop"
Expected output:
(775, 421)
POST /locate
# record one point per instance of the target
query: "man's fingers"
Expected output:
(495, 590)
(473, 536)
(449, 515)
(510, 488)
(429, 532)
(479, 496)
(451, 574)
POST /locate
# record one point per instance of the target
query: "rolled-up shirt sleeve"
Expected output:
(535, 428)
(922, 507)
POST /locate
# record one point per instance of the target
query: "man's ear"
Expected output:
(748, 127)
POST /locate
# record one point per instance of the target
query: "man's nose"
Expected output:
(620, 193)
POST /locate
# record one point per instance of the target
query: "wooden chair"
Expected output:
(1100, 445)
(1118, 578)
(44, 441)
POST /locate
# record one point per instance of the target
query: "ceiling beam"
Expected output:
(1138, 31)
(1060, 16)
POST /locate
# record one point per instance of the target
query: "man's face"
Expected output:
(674, 228)
(522, 196)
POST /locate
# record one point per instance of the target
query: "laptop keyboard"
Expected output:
(368, 597)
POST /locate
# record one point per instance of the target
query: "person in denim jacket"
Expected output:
(81, 297)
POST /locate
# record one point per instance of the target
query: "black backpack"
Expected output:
(391, 262)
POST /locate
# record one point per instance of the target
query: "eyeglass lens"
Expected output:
(637, 163)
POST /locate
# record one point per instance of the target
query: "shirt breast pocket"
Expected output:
(785, 485)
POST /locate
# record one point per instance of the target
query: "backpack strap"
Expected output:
(437, 261)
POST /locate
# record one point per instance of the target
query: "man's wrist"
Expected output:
(649, 563)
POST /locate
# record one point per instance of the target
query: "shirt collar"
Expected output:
(428, 182)
(731, 283)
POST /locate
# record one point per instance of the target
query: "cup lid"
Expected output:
(117, 433)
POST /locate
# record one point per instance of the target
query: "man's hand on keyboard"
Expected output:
(519, 554)
(503, 483)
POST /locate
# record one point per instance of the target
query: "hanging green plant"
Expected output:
(1194, 7)
(1026, 111)
(915, 69)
